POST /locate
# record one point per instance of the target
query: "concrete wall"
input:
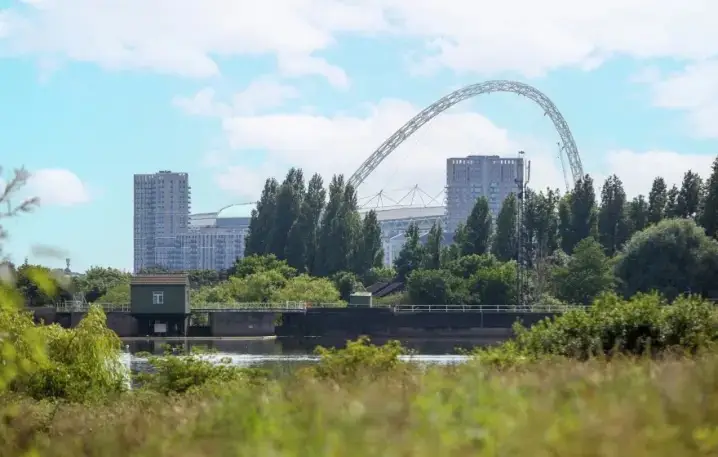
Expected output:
(121, 323)
(353, 322)
(242, 324)
(343, 323)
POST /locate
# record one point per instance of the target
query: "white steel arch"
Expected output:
(568, 146)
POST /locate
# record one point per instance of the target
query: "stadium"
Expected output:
(499, 176)
(393, 218)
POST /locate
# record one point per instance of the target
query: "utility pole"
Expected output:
(523, 176)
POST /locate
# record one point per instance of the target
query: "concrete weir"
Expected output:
(122, 323)
(344, 323)
(260, 323)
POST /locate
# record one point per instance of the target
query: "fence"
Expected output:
(250, 307)
(300, 307)
(75, 307)
(480, 309)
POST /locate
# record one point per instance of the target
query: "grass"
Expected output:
(625, 407)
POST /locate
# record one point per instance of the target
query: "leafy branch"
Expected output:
(7, 209)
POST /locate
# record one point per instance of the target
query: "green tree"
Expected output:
(689, 197)
(312, 208)
(709, 211)
(328, 259)
(505, 245)
(260, 263)
(582, 215)
(494, 284)
(564, 223)
(117, 294)
(435, 287)
(467, 266)
(203, 278)
(257, 241)
(613, 225)
(379, 274)
(432, 250)
(637, 214)
(261, 287)
(478, 229)
(347, 283)
(84, 363)
(347, 233)
(657, 199)
(588, 274)
(370, 252)
(672, 203)
(31, 289)
(672, 257)
(411, 254)
(22, 345)
(286, 212)
(540, 224)
(304, 288)
(98, 280)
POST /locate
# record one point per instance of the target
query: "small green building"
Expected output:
(160, 303)
(360, 299)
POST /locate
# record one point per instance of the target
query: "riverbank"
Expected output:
(563, 409)
(286, 346)
(175, 339)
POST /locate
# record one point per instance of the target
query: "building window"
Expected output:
(158, 298)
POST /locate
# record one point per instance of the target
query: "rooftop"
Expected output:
(160, 279)
(406, 212)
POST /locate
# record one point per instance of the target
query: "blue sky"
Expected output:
(232, 91)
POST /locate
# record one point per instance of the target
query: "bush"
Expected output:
(645, 323)
(360, 359)
(84, 363)
(180, 373)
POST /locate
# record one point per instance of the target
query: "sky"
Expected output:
(235, 91)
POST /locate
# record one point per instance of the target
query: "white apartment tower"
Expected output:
(162, 207)
(472, 177)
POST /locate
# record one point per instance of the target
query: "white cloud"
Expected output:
(341, 143)
(694, 90)
(185, 36)
(534, 37)
(57, 187)
(260, 95)
(637, 170)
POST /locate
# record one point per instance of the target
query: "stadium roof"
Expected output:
(406, 212)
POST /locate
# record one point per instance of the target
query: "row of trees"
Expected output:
(314, 232)
(574, 247)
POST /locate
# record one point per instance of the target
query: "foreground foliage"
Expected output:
(641, 325)
(626, 407)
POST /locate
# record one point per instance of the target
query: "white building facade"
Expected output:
(162, 204)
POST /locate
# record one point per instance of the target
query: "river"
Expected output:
(285, 353)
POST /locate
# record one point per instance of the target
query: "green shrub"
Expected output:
(84, 362)
(644, 323)
(360, 359)
(175, 373)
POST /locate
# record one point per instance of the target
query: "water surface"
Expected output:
(287, 352)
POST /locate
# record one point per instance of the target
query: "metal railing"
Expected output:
(249, 307)
(76, 307)
(300, 307)
(480, 308)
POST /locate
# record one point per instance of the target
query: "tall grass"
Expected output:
(626, 407)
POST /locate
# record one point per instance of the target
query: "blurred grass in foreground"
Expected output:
(626, 407)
